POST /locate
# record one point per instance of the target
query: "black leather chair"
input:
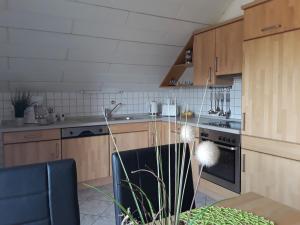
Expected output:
(146, 159)
(40, 194)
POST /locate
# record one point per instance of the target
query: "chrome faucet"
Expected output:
(108, 112)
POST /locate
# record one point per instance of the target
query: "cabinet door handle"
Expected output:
(217, 64)
(57, 151)
(32, 136)
(210, 74)
(153, 140)
(115, 143)
(273, 27)
(244, 163)
(244, 122)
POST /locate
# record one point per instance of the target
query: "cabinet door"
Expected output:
(155, 134)
(229, 51)
(271, 94)
(91, 155)
(204, 58)
(271, 17)
(32, 152)
(129, 141)
(274, 177)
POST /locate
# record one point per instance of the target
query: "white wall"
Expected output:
(68, 45)
(234, 9)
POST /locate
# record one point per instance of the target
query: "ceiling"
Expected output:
(96, 44)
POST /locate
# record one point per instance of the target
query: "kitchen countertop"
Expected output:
(10, 126)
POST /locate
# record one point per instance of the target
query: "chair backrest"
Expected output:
(40, 194)
(147, 159)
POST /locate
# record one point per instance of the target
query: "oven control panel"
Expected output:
(221, 137)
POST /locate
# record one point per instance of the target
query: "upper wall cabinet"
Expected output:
(204, 58)
(266, 17)
(218, 52)
(229, 50)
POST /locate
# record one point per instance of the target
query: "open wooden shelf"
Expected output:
(179, 66)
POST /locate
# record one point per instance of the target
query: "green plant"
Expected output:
(20, 101)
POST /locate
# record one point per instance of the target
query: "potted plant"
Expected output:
(20, 101)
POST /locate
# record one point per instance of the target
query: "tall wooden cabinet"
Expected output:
(271, 94)
(270, 101)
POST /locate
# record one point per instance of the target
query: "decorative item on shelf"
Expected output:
(20, 101)
(189, 56)
(173, 82)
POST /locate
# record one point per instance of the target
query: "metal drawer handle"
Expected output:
(57, 151)
(228, 148)
(217, 64)
(244, 122)
(271, 27)
(244, 163)
(210, 71)
(32, 136)
(115, 143)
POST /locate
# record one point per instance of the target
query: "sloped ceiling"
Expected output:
(96, 44)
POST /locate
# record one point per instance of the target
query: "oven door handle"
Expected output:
(228, 148)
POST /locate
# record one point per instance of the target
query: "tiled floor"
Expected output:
(95, 209)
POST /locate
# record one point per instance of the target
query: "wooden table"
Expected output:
(278, 213)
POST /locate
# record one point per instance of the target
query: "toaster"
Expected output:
(169, 110)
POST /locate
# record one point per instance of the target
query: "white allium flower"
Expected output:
(207, 153)
(187, 134)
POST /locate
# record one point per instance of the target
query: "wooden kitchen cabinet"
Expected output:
(229, 50)
(268, 17)
(270, 93)
(271, 176)
(31, 152)
(218, 53)
(155, 133)
(204, 58)
(129, 141)
(91, 155)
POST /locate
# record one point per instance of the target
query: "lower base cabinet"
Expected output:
(91, 155)
(129, 141)
(271, 176)
(31, 152)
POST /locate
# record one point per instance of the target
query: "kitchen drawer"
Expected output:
(266, 17)
(31, 136)
(128, 127)
(178, 128)
(31, 152)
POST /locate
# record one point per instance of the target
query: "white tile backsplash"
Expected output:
(83, 104)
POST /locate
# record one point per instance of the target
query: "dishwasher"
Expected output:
(89, 147)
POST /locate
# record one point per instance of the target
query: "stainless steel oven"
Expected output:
(227, 172)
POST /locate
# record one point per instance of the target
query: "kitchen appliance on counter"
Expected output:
(227, 171)
(153, 108)
(169, 110)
